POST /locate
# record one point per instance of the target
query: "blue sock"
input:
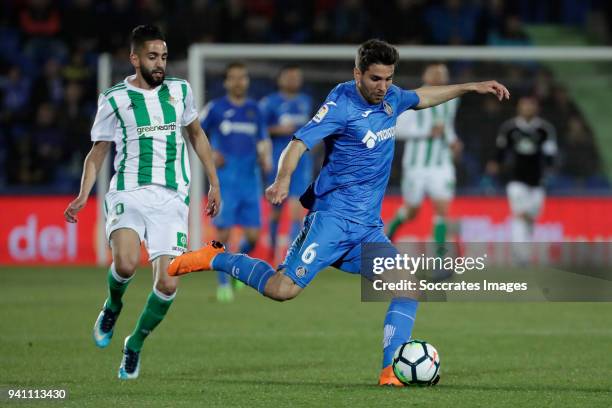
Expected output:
(251, 271)
(273, 233)
(245, 246)
(398, 326)
(222, 278)
(296, 227)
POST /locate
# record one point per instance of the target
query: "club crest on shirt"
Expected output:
(388, 108)
(300, 271)
(318, 117)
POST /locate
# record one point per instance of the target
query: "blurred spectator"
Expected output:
(49, 87)
(512, 33)
(15, 96)
(581, 160)
(21, 159)
(81, 25)
(292, 21)
(607, 11)
(198, 24)
(153, 12)
(40, 21)
(559, 109)
(232, 21)
(403, 24)
(49, 142)
(322, 26)
(77, 69)
(75, 120)
(351, 22)
(258, 20)
(491, 20)
(124, 17)
(543, 86)
(453, 23)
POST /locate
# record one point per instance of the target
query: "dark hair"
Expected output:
(143, 33)
(232, 65)
(288, 67)
(375, 52)
(285, 68)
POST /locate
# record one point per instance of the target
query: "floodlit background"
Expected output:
(50, 74)
(56, 56)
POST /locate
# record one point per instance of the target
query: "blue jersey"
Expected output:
(280, 110)
(234, 131)
(359, 143)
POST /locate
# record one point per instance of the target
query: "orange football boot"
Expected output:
(193, 261)
(387, 377)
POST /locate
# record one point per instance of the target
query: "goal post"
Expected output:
(103, 180)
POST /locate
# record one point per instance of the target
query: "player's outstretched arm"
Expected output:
(287, 163)
(434, 95)
(91, 166)
(201, 146)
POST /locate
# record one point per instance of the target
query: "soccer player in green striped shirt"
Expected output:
(431, 144)
(148, 198)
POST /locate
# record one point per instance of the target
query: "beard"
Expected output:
(149, 79)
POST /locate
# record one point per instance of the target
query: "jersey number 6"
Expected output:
(310, 253)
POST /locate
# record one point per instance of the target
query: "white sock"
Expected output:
(520, 241)
(520, 230)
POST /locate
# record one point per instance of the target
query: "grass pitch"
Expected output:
(321, 349)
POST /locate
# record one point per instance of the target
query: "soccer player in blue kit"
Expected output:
(357, 124)
(285, 112)
(240, 143)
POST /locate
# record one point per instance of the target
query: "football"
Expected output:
(417, 362)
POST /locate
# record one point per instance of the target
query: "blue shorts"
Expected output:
(330, 240)
(301, 177)
(241, 208)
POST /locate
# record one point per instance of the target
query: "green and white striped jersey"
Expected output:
(146, 128)
(421, 151)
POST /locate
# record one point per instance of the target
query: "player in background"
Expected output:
(431, 144)
(148, 198)
(240, 145)
(285, 112)
(528, 145)
(357, 124)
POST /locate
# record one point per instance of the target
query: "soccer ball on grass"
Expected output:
(417, 362)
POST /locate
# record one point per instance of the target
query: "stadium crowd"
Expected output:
(50, 48)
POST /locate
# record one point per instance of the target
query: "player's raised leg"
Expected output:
(319, 244)
(253, 272)
(159, 301)
(125, 245)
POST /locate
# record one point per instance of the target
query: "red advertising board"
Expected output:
(33, 230)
